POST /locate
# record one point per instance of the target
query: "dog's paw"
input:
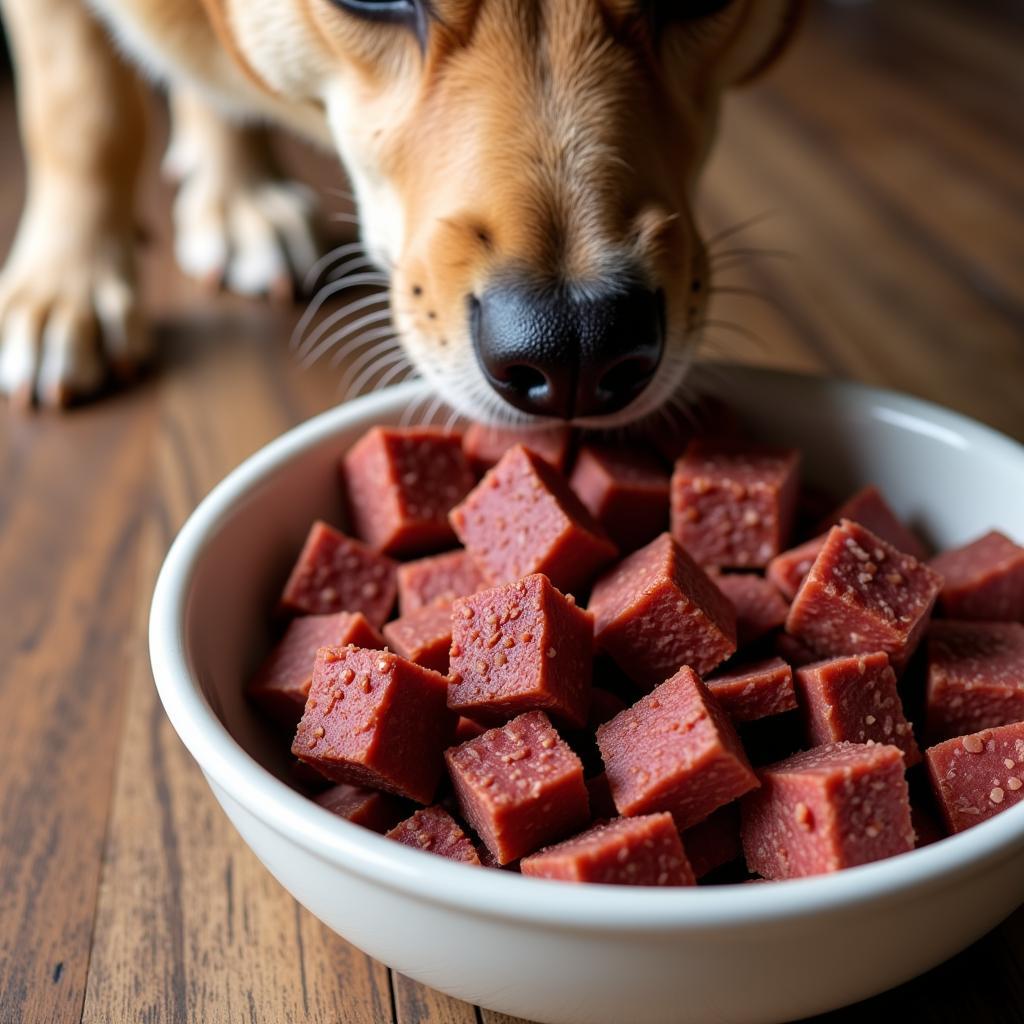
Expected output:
(68, 312)
(254, 237)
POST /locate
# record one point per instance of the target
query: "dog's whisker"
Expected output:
(411, 410)
(356, 263)
(339, 252)
(340, 193)
(387, 378)
(379, 364)
(433, 409)
(735, 229)
(344, 218)
(750, 293)
(751, 252)
(352, 344)
(325, 293)
(344, 332)
(352, 376)
(376, 299)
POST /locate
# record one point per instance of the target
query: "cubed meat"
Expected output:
(401, 485)
(367, 807)
(374, 719)
(437, 579)
(282, 683)
(854, 698)
(434, 830)
(674, 750)
(519, 647)
(869, 508)
(983, 579)
(423, 636)
(794, 651)
(715, 841)
(626, 490)
(733, 503)
(788, 570)
(627, 851)
(467, 729)
(979, 775)
(657, 610)
(754, 690)
(519, 786)
(335, 573)
(975, 676)
(523, 518)
(826, 809)
(861, 596)
(760, 608)
(484, 445)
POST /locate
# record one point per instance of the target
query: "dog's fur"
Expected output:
(561, 137)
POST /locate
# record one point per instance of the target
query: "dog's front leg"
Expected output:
(67, 294)
(237, 221)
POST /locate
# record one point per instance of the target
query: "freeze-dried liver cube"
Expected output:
(869, 508)
(484, 445)
(519, 786)
(434, 830)
(674, 750)
(437, 579)
(733, 503)
(754, 690)
(714, 841)
(626, 490)
(977, 776)
(657, 610)
(367, 807)
(983, 579)
(423, 636)
(627, 851)
(759, 606)
(788, 570)
(826, 809)
(975, 676)
(862, 595)
(374, 719)
(520, 647)
(282, 683)
(854, 698)
(335, 573)
(523, 518)
(401, 485)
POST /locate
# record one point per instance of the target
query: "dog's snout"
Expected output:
(568, 353)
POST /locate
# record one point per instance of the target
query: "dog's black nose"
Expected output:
(568, 353)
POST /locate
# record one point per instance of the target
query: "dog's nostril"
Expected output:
(525, 379)
(629, 376)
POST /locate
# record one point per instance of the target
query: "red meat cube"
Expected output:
(437, 579)
(335, 573)
(788, 570)
(826, 809)
(975, 676)
(423, 636)
(484, 446)
(434, 830)
(367, 807)
(401, 485)
(754, 690)
(519, 786)
(674, 750)
(975, 777)
(282, 682)
(657, 610)
(374, 719)
(760, 608)
(869, 508)
(861, 596)
(714, 841)
(520, 647)
(626, 490)
(626, 851)
(983, 579)
(467, 729)
(733, 503)
(523, 518)
(854, 698)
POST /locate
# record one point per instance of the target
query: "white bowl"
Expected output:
(555, 952)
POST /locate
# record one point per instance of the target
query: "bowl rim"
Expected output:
(504, 894)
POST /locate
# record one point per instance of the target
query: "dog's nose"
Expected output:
(557, 353)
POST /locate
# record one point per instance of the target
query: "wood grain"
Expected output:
(888, 151)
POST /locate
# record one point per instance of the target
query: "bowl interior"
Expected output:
(949, 477)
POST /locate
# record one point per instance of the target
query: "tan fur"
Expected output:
(552, 136)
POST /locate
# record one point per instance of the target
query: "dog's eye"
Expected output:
(408, 12)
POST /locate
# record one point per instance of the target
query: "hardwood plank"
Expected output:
(419, 1004)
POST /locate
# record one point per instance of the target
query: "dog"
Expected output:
(524, 172)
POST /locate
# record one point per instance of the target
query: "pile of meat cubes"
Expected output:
(642, 672)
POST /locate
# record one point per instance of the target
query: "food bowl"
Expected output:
(554, 952)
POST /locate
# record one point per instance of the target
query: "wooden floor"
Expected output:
(888, 150)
